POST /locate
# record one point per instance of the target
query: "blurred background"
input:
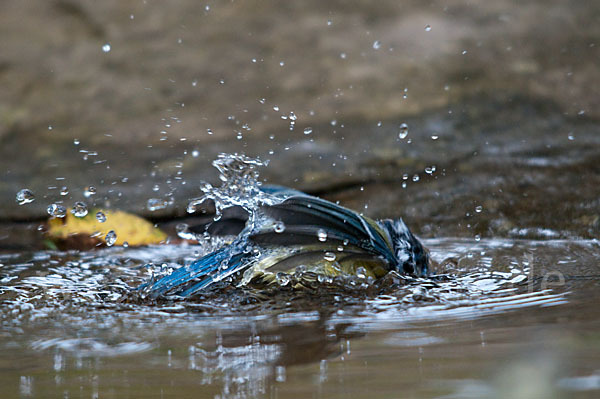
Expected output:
(465, 118)
(475, 121)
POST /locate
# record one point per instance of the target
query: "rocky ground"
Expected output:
(501, 100)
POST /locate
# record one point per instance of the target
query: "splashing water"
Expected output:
(240, 187)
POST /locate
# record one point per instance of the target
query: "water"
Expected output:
(503, 318)
(25, 196)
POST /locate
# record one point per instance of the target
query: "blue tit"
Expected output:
(301, 231)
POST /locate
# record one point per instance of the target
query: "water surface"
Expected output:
(503, 318)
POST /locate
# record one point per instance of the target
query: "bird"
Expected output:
(298, 231)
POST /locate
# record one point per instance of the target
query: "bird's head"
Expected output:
(412, 257)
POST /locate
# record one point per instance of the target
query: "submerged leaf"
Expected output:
(89, 231)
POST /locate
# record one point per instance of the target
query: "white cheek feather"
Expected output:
(402, 245)
(403, 256)
(400, 227)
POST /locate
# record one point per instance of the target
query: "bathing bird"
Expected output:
(298, 232)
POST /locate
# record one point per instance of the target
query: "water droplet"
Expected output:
(154, 204)
(183, 231)
(195, 153)
(283, 279)
(300, 270)
(435, 137)
(464, 52)
(308, 130)
(329, 256)
(322, 235)
(478, 208)
(106, 48)
(415, 178)
(376, 45)
(76, 141)
(361, 272)
(280, 374)
(343, 56)
(403, 132)
(281, 63)
(25, 196)
(64, 190)
(89, 191)
(100, 216)
(57, 211)
(427, 28)
(279, 227)
(111, 238)
(275, 108)
(477, 237)
(79, 209)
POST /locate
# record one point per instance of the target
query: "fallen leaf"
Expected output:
(87, 232)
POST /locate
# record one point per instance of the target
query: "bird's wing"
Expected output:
(309, 220)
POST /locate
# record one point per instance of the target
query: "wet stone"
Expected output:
(509, 119)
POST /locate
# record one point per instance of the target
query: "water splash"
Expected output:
(240, 186)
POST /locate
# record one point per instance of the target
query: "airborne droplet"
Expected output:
(183, 231)
(89, 191)
(57, 211)
(101, 217)
(154, 204)
(361, 272)
(25, 196)
(322, 235)
(279, 227)
(111, 238)
(329, 256)
(403, 132)
(79, 209)
(283, 279)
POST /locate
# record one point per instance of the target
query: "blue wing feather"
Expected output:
(205, 270)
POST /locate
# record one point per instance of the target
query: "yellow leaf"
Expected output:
(129, 228)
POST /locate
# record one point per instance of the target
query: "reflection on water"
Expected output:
(71, 328)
